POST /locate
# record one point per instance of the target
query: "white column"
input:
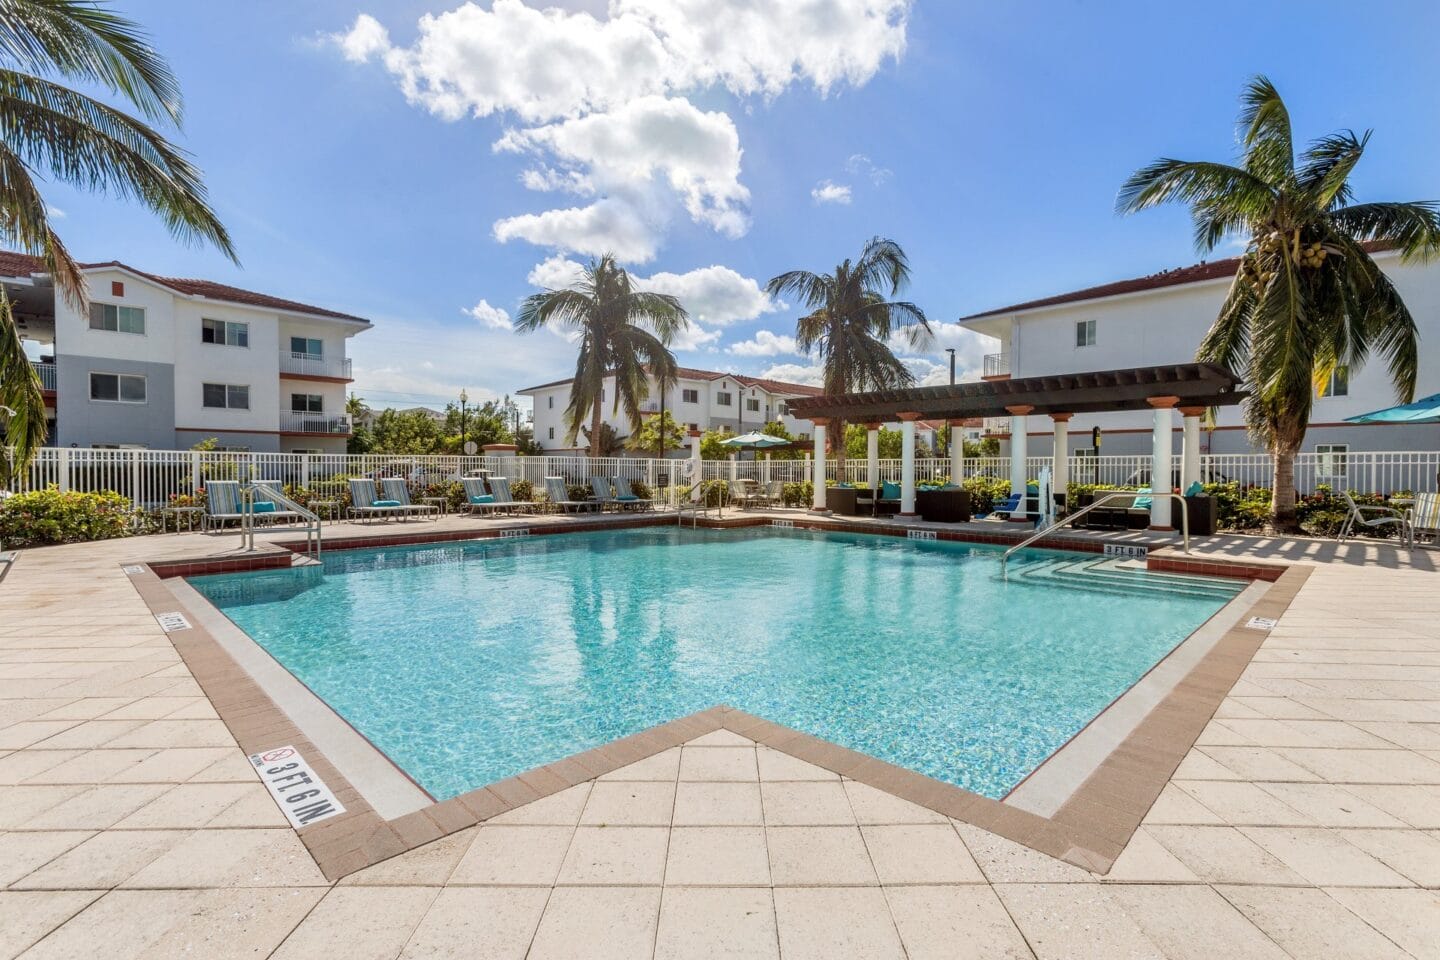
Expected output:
(957, 452)
(872, 455)
(1018, 453)
(1161, 445)
(907, 464)
(1060, 472)
(695, 464)
(734, 467)
(817, 473)
(1190, 461)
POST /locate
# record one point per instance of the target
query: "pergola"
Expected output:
(1187, 387)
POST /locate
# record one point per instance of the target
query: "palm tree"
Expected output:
(851, 320)
(623, 332)
(48, 128)
(1307, 298)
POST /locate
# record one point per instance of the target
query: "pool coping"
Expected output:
(1089, 829)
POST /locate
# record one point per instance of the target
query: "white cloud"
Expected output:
(493, 317)
(601, 99)
(863, 166)
(694, 337)
(54, 212)
(714, 295)
(812, 376)
(970, 349)
(764, 344)
(555, 273)
(827, 191)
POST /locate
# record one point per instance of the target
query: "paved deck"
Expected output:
(1305, 822)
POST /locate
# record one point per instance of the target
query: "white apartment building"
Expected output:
(1161, 319)
(165, 363)
(700, 400)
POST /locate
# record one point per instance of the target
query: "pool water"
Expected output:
(470, 662)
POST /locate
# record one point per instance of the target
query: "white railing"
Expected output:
(328, 424)
(997, 364)
(313, 365)
(152, 477)
(47, 375)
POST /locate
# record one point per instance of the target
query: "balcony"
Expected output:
(294, 364)
(997, 365)
(47, 375)
(330, 425)
(995, 427)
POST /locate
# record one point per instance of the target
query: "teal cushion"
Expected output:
(1195, 489)
(890, 491)
(627, 496)
(1143, 503)
(483, 498)
(843, 486)
(386, 503)
(263, 506)
(951, 486)
(1032, 489)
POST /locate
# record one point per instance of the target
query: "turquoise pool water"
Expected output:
(470, 662)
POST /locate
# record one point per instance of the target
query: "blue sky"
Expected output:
(712, 149)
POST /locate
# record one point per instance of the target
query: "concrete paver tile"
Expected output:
(1145, 860)
(28, 915)
(461, 919)
(1223, 855)
(920, 853)
(710, 764)
(597, 923)
(717, 856)
(559, 809)
(735, 923)
(233, 858)
(1323, 857)
(1071, 921)
(664, 765)
(629, 803)
(819, 856)
(1306, 922)
(877, 806)
(428, 865)
(777, 765)
(97, 808)
(1409, 852)
(105, 860)
(1005, 861)
(1193, 923)
(1411, 918)
(825, 923)
(525, 856)
(359, 923)
(1330, 805)
(718, 804)
(955, 923)
(610, 856)
(806, 804)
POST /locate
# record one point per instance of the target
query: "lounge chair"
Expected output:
(500, 489)
(366, 504)
(627, 498)
(1002, 511)
(1378, 517)
(560, 497)
(775, 493)
(601, 488)
(398, 490)
(479, 500)
(1424, 515)
(223, 504)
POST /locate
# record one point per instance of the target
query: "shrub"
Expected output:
(578, 491)
(985, 492)
(641, 489)
(50, 516)
(798, 494)
(522, 490)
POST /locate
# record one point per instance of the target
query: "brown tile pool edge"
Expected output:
(1090, 828)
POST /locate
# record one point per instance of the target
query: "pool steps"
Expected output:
(1118, 575)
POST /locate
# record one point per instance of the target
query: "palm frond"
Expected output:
(1226, 190)
(1265, 126)
(25, 220)
(1326, 166)
(1414, 226)
(20, 391)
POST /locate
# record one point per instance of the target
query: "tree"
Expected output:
(646, 440)
(852, 319)
(857, 442)
(484, 423)
(605, 443)
(362, 439)
(406, 432)
(710, 446)
(612, 320)
(49, 129)
(1307, 299)
(776, 428)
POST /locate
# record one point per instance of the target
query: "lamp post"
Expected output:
(951, 351)
(464, 399)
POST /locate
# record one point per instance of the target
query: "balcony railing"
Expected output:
(313, 365)
(997, 365)
(996, 426)
(47, 375)
(330, 424)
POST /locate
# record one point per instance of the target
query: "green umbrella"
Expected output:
(755, 441)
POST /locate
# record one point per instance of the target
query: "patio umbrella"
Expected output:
(1421, 411)
(754, 441)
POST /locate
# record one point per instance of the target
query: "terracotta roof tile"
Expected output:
(693, 373)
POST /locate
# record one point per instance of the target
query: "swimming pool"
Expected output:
(470, 662)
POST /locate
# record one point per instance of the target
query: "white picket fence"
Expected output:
(152, 477)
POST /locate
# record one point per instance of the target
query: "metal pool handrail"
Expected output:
(1070, 518)
(313, 532)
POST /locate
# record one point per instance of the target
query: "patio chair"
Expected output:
(775, 493)
(560, 497)
(366, 504)
(479, 500)
(601, 488)
(398, 490)
(748, 495)
(222, 504)
(1378, 517)
(627, 498)
(500, 489)
(1001, 511)
(1424, 515)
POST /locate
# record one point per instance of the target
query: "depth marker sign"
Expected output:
(298, 790)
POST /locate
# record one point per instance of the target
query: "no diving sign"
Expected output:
(299, 791)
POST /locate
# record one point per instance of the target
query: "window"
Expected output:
(307, 450)
(226, 332)
(307, 403)
(226, 396)
(552, 403)
(1331, 459)
(752, 404)
(1085, 333)
(693, 427)
(689, 396)
(307, 347)
(724, 399)
(1338, 385)
(552, 433)
(117, 388)
(118, 446)
(111, 316)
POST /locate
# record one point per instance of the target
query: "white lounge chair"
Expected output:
(397, 489)
(500, 488)
(627, 499)
(603, 495)
(1424, 516)
(482, 501)
(222, 504)
(560, 497)
(1377, 517)
(366, 504)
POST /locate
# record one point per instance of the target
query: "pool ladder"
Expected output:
(247, 519)
(1071, 518)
